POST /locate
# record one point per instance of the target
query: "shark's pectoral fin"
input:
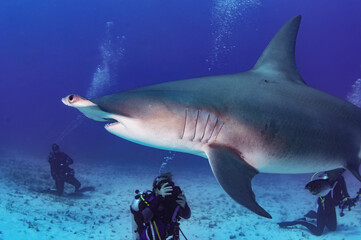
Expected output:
(235, 176)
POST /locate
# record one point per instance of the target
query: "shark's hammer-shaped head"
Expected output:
(141, 117)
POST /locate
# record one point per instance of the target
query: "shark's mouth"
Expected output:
(113, 121)
(108, 125)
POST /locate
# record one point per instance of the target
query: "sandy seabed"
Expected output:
(27, 213)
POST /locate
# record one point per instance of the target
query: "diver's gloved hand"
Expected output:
(165, 190)
(181, 200)
(350, 203)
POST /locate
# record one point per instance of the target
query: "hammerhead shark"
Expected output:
(263, 120)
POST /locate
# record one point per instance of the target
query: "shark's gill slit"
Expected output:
(195, 127)
(219, 129)
(205, 127)
(185, 122)
(214, 127)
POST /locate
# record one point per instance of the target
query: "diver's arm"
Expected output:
(51, 157)
(68, 160)
(147, 214)
(185, 212)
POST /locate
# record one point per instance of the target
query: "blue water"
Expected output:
(49, 49)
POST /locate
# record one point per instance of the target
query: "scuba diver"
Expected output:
(60, 170)
(332, 192)
(156, 213)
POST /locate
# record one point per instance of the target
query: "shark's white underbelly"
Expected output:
(294, 165)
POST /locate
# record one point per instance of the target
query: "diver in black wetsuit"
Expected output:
(60, 170)
(326, 212)
(156, 213)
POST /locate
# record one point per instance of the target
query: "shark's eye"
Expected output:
(71, 98)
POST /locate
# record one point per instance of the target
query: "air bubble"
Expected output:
(355, 96)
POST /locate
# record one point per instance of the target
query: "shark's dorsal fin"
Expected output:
(278, 59)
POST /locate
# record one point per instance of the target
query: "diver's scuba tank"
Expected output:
(135, 203)
(139, 203)
(134, 209)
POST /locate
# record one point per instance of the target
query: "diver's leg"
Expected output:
(321, 222)
(332, 220)
(287, 224)
(59, 186)
(315, 230)
(311, 214)
(73, 181)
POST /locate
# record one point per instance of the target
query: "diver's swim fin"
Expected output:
(227, 165)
